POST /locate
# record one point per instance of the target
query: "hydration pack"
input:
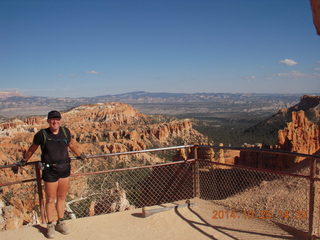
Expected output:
(45, 137)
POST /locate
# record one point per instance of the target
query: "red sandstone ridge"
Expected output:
(116, 113)
(99, 129)
(270, 126)
(300, 135)
(99, 126)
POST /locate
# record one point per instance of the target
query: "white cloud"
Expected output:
(288, 62)
(92, 72)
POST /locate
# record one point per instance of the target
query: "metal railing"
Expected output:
(130, 180)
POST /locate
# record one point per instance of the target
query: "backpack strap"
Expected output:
(45, 136)
(65, 134)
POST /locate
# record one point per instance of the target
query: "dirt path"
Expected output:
(186, 223)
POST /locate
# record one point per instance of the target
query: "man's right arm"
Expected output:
(30, 151)
(35, 144)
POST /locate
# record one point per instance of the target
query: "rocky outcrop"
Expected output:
(269, 127)
(300, 135)
(33, 120)
(115, 200)
(307, 101)
(11, 124)
(99, 129)
(261, 159)
(116, 113)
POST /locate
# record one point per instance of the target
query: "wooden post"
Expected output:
(39, 185)
(196, 177)
(313, 164)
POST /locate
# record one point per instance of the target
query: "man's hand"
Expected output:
(21, 163)
(82, 156)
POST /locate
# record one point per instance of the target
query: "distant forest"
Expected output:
(234, 129)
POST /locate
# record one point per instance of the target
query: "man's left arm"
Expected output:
(74, 147)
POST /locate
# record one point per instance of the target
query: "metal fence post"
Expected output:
(313, 163)
(39, 185)
(196, 178)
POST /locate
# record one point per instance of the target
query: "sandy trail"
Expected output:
(185, 223)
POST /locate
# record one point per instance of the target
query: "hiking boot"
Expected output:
(62, 227)
(50, 230)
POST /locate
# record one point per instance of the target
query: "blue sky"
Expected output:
(78, 48)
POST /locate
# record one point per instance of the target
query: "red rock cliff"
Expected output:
(99, 128)
(300, 135)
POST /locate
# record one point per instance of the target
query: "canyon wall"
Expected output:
(99, 129)
(300, 135)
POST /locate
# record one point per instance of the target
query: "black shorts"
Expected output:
(52, 174)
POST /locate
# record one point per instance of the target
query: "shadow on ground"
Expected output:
(237, 233)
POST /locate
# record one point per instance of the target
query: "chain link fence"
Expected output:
(19, 201)
(317, 200)
(317, 209)
(117, 183)
(255, 194)
(106, 191)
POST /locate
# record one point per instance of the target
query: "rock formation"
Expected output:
(300, 135)
(269, 127)
(99, 129)
(114, 200)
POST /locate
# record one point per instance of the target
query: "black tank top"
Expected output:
(55, 146)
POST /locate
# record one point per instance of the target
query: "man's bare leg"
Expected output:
(51, 196)
(63, 186)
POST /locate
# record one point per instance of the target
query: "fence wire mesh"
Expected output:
(128, 188)
(317, 200)
(19, 203)
(317, 209)
(112, 184)
(252, 194)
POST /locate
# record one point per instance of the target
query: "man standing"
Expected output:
(54, 142)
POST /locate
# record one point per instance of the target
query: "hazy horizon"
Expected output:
(173, 93)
